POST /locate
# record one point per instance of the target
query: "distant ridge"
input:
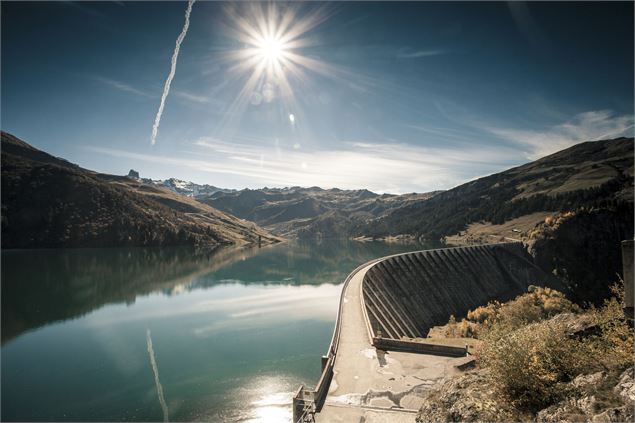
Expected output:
(309, 212)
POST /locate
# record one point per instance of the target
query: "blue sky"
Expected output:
(393, 97)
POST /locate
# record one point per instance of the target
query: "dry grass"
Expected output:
(486, 233)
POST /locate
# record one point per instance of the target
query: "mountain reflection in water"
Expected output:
(44, 286)
(233, 332)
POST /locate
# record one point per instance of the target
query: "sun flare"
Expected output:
(271, 49)
(271, 61)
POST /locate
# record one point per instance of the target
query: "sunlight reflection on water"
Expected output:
(275, 407)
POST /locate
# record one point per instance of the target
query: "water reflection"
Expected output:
(145, 334)
(45, 286)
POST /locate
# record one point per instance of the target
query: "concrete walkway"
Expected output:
(371, 385)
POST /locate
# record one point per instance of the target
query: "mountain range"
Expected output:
(179, 186)
(505, 205)
(571, 209)
(589, 174)
(50, 202)
(292, 212)
(584, 175)
(313, 212)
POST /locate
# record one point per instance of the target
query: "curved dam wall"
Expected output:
(406, 294)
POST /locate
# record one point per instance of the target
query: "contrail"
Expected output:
(157, 382)
(168, 82)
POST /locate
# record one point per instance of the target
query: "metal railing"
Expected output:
(322, 387)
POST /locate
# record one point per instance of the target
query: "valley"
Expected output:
(565, 202)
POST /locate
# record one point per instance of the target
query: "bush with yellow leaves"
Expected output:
(531, 365)
(537, 304)
(613, 345)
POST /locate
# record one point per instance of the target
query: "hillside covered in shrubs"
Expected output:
(541, 358)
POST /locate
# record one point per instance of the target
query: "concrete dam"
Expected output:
(375, 369)
(407, 294)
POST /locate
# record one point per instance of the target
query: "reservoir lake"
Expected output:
(175, 334)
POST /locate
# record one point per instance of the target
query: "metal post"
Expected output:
(627, 266)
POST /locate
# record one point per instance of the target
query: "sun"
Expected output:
(271, 38)
(271, 49)
(268, 59)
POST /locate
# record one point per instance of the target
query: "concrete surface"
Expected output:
(371, 385)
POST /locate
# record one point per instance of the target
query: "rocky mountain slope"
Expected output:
(309, 212)
(49, 202)
(582, 247)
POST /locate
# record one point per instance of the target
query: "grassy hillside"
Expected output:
(585, 175)
(49, 202)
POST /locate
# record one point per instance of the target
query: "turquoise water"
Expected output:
(156, 334)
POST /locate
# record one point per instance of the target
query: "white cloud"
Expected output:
(387, 167)
(408, 53)
(121, 86)
(192, 97)
(588, 126)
